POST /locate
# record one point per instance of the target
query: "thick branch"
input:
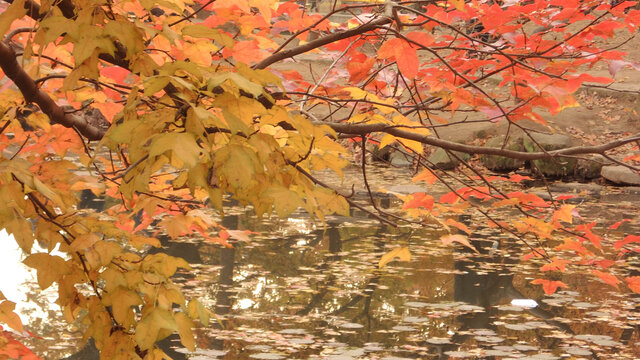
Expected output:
(322, 41)
(32, 93)
(364, 129)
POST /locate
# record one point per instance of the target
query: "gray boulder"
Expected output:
(441, 160)
(590, 167)
(501, 163)
(620, 175)
(556, 167)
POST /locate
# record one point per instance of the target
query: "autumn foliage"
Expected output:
(169, 108)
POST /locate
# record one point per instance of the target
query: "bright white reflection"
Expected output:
(244, 304)
(525, 303)
(15, 287)
(302, 226)
(262, 281)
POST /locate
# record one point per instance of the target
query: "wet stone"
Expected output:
(438, 341)
(267, 356)
(415, 304)
(293, 332)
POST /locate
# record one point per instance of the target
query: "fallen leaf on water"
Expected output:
(402, 253)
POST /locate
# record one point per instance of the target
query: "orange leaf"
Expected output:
(556, 264)
(607, 278)
(419, 200)
(564, 213)
(627, 240)
(616, 225)
(538, 253)
(359, 70)
(458, 225)
(633, 282)
(427, 176)
(549, 286)
(405, 56)
(448, 239)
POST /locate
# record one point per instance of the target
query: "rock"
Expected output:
(407, 189)
(397, 158)
(501, 163)
(550, 167)
(441, 160)
(620, 175)
(590, 168)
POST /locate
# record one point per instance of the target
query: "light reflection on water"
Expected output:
(298, 290)
(18, 277)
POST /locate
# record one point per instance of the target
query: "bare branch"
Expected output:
(372, 25)
(32, 93)
(364, 129)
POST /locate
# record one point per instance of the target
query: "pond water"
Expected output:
(299, 290)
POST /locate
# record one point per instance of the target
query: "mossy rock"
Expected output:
(557, 167)
(441, 160)
(591, 167)
(501, 163)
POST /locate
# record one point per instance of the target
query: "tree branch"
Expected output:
(32, 93)
(364, 129)
(375, 23)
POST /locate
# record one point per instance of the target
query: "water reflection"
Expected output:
(300, 290)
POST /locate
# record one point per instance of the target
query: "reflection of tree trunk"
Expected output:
(485, 290)
(335, 247)
(225, 281)
(627, 332)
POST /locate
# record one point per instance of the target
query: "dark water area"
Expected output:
(301, 290)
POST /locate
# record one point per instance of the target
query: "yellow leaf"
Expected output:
(285, 201)
(139, 241)
(183, 147)
(9, 317)
(184, 330)
(458, 4)
(121, 301)
(15, 11)
(402, 253)
(449, 239)
(197, 310)
(47, 192)
(163, 264)
(413, 145)
(83, 242)
(386, 140)
(264, 8)
(148, 329)
(380, 104)
(564, 213)
(48, 267)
